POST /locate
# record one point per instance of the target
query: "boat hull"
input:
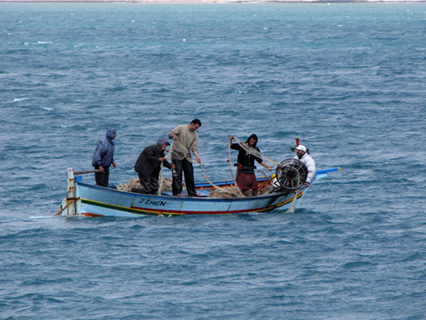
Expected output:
(99, 201)
(95, 201)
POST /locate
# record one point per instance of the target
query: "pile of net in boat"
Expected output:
(233, 192)
(134, 184)
(223, 192)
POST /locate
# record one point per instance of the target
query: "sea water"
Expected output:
(347, 79)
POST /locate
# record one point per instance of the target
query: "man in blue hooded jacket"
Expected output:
(104, 157)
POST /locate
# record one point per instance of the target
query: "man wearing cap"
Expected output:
(307, 160)
(104, 157)
(148, 165)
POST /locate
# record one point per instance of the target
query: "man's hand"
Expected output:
(197, 157)
(101, 169)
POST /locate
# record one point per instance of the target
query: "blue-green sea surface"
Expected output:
(348, 79)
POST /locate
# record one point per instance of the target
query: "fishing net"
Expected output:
(179, 152)
(133, 184)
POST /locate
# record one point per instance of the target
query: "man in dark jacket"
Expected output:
(148, 165)
(104, 157)
(246, 179)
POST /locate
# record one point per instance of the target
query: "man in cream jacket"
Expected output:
(307, 160)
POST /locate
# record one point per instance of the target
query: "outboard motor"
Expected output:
(291, 174)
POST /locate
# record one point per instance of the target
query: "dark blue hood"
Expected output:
(111, 132)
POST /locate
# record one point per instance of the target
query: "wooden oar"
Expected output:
(77, 173)
(293, 204)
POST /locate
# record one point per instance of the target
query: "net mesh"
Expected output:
(179, 152)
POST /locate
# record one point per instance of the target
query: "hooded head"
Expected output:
(253, 136)
(111, 132)
(162, 141)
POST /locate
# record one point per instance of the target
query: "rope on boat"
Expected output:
(161, 180)
(232, 172)
(62, 209)
(254, 152)
(179, 152)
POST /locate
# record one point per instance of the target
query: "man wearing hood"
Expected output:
(148, 165)
(246, 179)
(104, 157)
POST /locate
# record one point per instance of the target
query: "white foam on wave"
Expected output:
(47, 109)
(19, 99)
(67, 125)
(44, 42)
(41, 217)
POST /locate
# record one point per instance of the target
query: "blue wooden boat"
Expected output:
(94, 201)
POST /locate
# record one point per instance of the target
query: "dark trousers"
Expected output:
(185, 166)
(150, 185)
(102, 178)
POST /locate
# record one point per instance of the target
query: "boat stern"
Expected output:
(68, 206)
